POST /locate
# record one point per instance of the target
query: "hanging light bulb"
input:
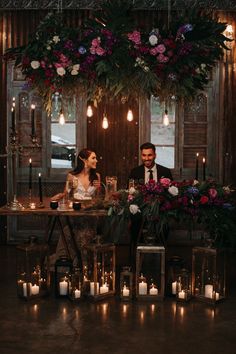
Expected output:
(105, 123)
(61, 118)
(130, 116)
(166, 121)
(89, 111)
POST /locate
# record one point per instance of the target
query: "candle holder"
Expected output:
(75, 290)
(208, 274)
(184, 292)
(126, 284)
(62, 280)
(150, 273)
(33, 278)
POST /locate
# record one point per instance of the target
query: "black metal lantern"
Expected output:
(126, 284)
(75, 290)
(33, 278)
(63, 271)
(174, 266)
(208, 274)
(183, 287)
(150, 273)
(99, 270)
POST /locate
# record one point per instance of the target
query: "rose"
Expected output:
(76, 67)
(35, 64)
(135, 37)
(56, 39)
(61, 71)
(204, 199)
(74, 72)
(212, 192)
(100, 51)
(134, 209)
(153, 39)
(161, 48)
(165, 182)
(173, 190)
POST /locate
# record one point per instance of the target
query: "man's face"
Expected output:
(148, 157)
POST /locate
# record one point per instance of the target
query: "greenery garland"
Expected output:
(110, 56)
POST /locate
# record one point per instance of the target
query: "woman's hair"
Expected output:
(84, 155)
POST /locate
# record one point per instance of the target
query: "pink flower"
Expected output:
(96, 42)
(161, 48)
(154, 51)
(135, 37)
(162, 58)
(212, 192)
(100, 51)
(92, 50)
(165, 182)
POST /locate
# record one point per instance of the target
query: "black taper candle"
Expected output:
(40, 189)
(30, 174)
(196, 172)
(33, 120)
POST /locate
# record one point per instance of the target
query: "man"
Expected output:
(149, 169)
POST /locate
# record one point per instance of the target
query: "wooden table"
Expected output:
(55, 217)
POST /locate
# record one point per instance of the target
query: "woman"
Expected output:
(84, 181)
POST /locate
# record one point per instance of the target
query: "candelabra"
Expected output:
(13, 150)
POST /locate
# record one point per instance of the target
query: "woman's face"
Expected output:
(91, 162)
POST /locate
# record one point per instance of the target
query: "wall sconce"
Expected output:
(166, 121)
(130, 116)
(105, 123)
(61, 118)
(89, 111)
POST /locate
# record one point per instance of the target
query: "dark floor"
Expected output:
(56, 326)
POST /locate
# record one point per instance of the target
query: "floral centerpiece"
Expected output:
(110, 55)
(207, 203)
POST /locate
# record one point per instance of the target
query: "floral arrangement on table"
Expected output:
(109, 55)
(207, 203)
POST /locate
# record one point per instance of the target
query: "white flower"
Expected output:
(76, 67)
(35, 64)
(153, 39)
(173, 190)
(56, 39)
(74, 72)
(49, 47)
(134, 209)
(61, 71)
(146, 69)
(132, 190)
(195, 182)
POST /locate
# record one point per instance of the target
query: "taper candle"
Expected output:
(204, 169)
(13, 122)
(196, 172)
(33, 128)
(40, 189)
(30, 173)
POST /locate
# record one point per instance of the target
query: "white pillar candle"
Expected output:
(153, 291)
(92, 288)
(77, 293)
(217, 296)
(174, 287)
(142, 288)
(208, 290)
(125, 291)
(32, 205)
(181, 295)
(63, 287)
(104, 289)
(35, 289)
(25, 289)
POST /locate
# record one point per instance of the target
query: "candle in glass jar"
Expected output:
(63, 287)
(125, 291)
(77, 293)
(30, 173)
(33, 128)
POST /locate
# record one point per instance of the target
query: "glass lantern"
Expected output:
(208, 274)
(150, 273)
(99, 271)
(126, 284)
(174, 266)
(33, 278)
(63, 272)
(183, 286)
(75, 290)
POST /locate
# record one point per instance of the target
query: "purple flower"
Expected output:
(193, 190)
(185, 28)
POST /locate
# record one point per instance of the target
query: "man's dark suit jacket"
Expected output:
(138, 173)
